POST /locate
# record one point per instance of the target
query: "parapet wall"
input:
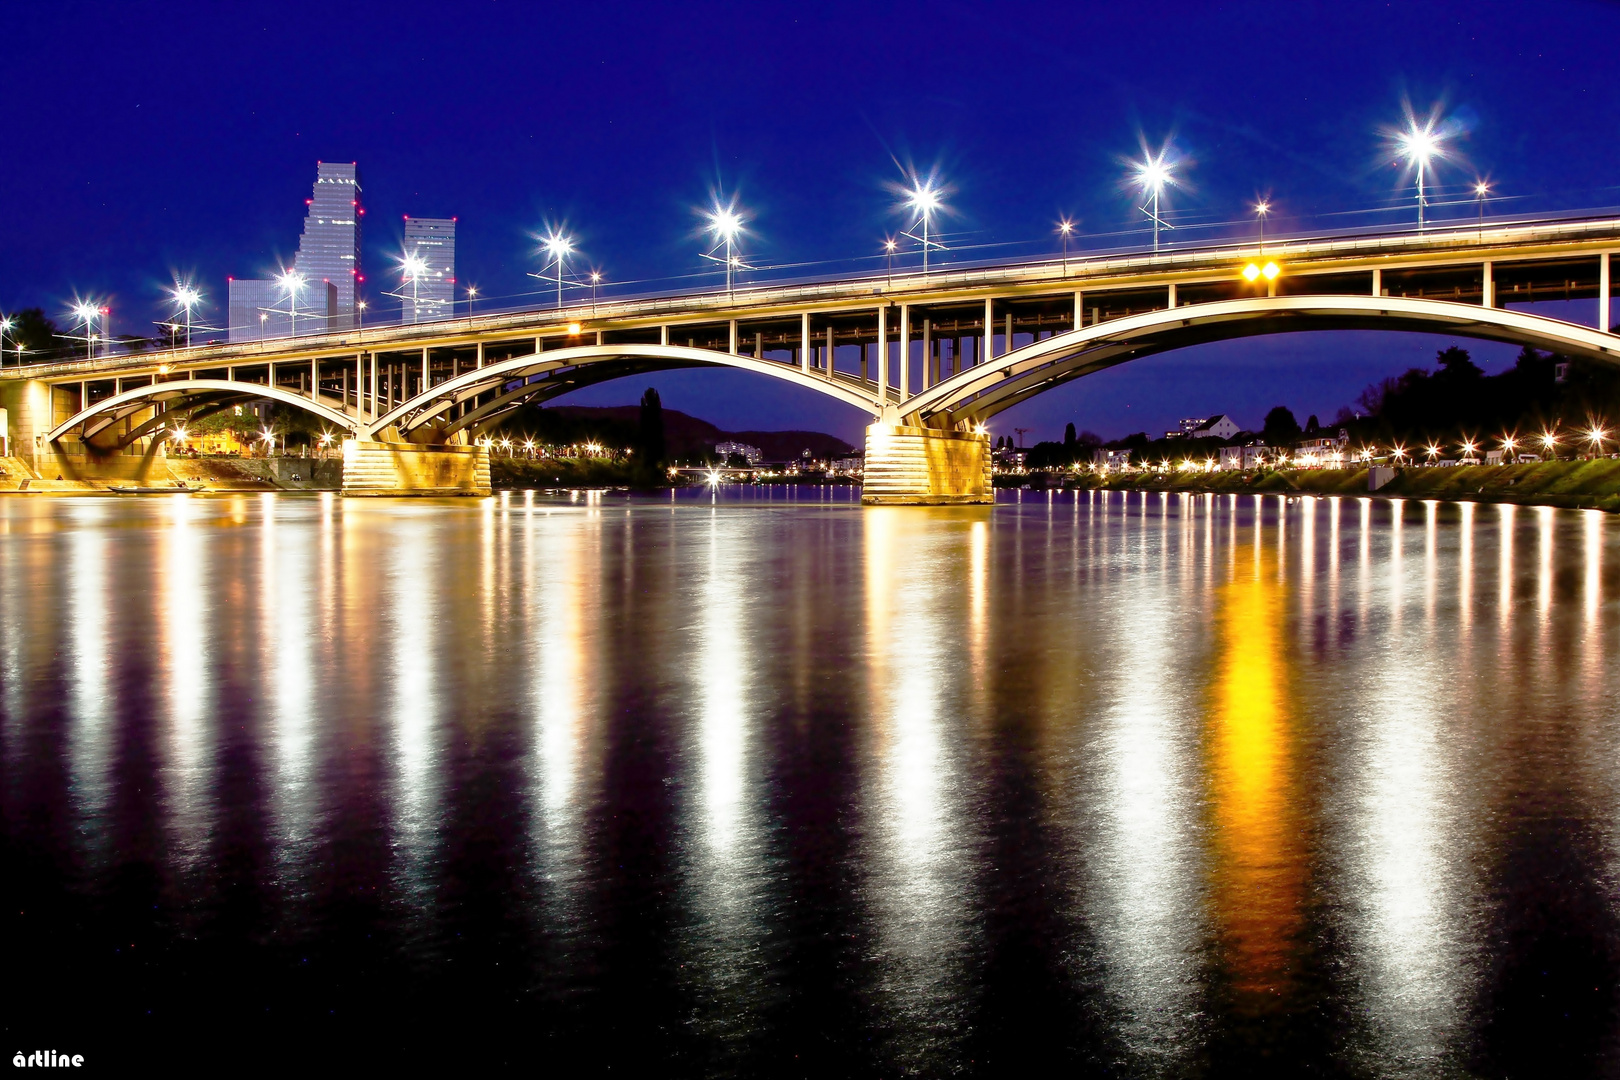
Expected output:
(391, 468)
(926, 467)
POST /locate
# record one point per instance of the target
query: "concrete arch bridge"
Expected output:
(929, 358)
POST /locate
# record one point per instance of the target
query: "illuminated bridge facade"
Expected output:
(930, 358)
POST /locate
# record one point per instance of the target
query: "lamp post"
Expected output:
(1152, 174)
(924, 199)
(558, 247)
(1418, 144)
(291, 282)
(596, 279)
(1065, 229)
(889, 244)
(472, 294)
(411, 268)
(87, 313)
(1261, 209)
(1482, 188)
(186, 296)
(6, 324)
(725, 226)
(360, 312)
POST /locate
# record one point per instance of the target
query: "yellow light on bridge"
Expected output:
(573, 328)
(1254, 271)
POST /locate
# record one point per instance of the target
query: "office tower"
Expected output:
(258, 310)
(330, 247)
(433, 240)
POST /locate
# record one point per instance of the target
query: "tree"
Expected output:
(1312, 425)
(652, 429)
(1455, 363)
(1280, 429)
(1068, 434)
(34, 332)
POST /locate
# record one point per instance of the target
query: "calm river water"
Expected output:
(769, 783)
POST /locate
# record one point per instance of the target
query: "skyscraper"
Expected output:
(257, 309)
(433, 240)
(330, 247)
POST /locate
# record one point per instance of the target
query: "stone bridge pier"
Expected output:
(921, 466)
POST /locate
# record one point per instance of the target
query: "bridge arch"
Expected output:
(973, 396)
(541, 376)
(96, 418)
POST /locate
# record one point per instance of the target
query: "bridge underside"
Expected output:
(973, 397)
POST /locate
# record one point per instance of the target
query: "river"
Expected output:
(762, 782)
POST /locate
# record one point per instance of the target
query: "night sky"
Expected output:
(146, 140)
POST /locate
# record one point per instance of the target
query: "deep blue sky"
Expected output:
(145, 139)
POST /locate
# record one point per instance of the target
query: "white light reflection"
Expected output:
(89, 632)
(287, 659)
(184, 619)
(917, 844)
(409, 582)
(1145, 887)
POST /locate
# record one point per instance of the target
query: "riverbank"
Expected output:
(1568, 484)
(213, 473)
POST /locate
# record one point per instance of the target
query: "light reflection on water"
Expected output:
(1172, 783)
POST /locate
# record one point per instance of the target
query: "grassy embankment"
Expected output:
(1572, 484)
(508, 472)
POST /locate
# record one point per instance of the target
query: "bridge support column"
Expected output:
(926, 467)
(389, 468)
(26, 407)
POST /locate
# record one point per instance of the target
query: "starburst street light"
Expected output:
(1152, 175)
(924, 198)
(291, 282)
(1065, 229)
(1482, 188)
(1261, 209)
(725, 226)
(412, 269)
(1419, 144)
(185, 296)
(7, 324)
(87, 313)
(889, 246)
(558, 246)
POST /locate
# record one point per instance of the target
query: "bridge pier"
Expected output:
(396, 468)
(925, 466)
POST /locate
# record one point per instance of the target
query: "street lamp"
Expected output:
(472, 294)
(1261, 209)
(1418, 145)
(1482, 188)
(412, 268)
(360, 309)
(87, 314)
(6, 325)
(186, 296)
(1152, 175)
(1595, 435)
(1549, 444)
(558, 247)
(596, 279)
(924, 199)
(291, 282)
(1065, 229)
(725, 225)
(889, 244)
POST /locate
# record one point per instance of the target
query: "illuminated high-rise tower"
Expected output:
(433, 240)
(330, 247)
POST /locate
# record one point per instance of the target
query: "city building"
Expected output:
(1244, 457)
(751, 454)
(1323, 451)
(328, 260)
(329, 250)
(256, 309)
(1219, 426)
(433, 296)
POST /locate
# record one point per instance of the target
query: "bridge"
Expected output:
(929, 357)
